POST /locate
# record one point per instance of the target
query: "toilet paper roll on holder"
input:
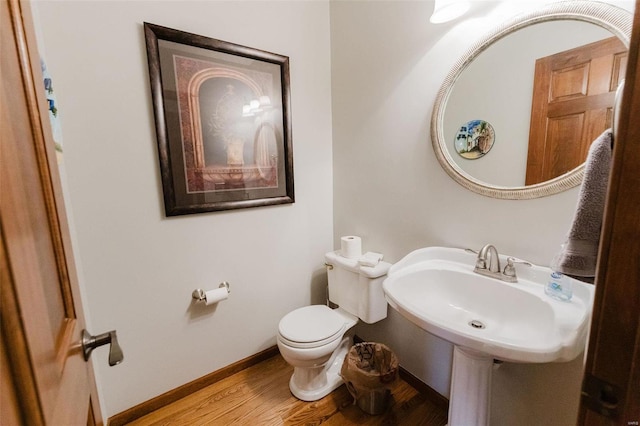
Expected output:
(199, 294)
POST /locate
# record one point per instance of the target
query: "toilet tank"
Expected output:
(357, 289)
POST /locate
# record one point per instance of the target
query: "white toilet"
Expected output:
(312, 339)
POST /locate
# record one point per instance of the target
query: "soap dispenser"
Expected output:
(559, 286)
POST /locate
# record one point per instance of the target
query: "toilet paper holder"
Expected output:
(198, 294)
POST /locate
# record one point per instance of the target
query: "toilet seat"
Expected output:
(311, 327)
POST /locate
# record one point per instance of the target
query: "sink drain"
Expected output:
(477, 324)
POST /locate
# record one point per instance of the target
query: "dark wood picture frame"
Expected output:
(223, 122)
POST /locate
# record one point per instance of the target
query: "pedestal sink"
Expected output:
(486, 319)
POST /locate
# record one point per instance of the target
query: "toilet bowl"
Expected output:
(315, 340)
(312, 339)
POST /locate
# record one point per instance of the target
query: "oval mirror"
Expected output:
(532, 82)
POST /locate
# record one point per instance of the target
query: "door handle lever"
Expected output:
(89, 343)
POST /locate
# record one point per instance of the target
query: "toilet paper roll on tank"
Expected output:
(351, 248)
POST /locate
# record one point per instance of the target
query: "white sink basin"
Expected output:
(436, 289)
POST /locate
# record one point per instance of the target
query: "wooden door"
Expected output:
(611, 387)
(573, 97)
(45, 378)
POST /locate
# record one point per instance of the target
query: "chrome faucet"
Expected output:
(489, 254)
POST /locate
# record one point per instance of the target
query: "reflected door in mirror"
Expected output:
(573, 98)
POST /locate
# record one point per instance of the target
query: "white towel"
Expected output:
(579, 253)
(370, 259)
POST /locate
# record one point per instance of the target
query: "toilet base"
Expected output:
(312, 384)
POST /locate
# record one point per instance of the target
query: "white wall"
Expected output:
(138, 267)
(388, 62)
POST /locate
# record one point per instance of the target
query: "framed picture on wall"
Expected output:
(223, 122)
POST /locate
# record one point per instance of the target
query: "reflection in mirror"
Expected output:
(494, 82)
(573, 100)
(498, 87)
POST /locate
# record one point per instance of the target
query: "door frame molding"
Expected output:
(614, 345)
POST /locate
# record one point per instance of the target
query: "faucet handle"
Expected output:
(510, 269)
(512, 260)
(480, 262)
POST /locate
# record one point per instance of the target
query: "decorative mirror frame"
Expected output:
(612, 18)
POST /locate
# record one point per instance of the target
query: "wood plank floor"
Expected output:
(259, 395)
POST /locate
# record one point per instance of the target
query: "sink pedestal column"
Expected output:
(470, 388)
